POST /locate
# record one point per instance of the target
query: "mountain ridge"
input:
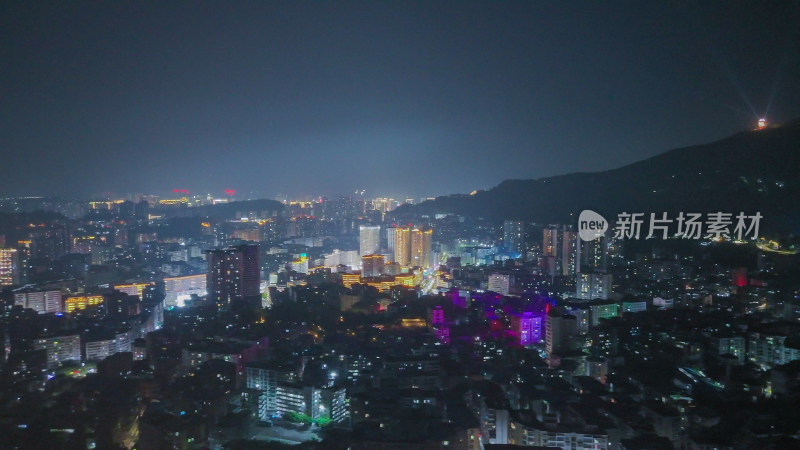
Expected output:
(750, 171)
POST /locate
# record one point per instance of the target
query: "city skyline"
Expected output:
(399, 225)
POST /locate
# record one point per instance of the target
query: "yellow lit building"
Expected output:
(9, 266)
(383, 204)
(386, 282)
(173, 201)
(381, 283)
(104, 205)
(412, 247)
(402, 246)
(254, 235)
(349, 279)
(132, 289)
(413, 323)
(300, 265)
(550, 242)
(421, 248)
(408, 279)
(82, 302)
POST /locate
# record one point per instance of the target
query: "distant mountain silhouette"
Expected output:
(749, 171)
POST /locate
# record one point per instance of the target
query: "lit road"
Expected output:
(772, 247)
(429, 281)
(428, 284)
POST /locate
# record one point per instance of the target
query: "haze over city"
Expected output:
(396, 98)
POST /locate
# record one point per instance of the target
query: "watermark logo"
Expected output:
(591, 225)
(715, 225)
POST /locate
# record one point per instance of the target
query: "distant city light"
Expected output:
(762, 123)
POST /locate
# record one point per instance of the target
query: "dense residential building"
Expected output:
(560, 330)
(528, 326)
(603, 310)
(591, 286)
(179, 289)
(60, 349)
(593, 256)
(100, 347)
(9, 267)
(514, 236)
(550, 242)
(136, 289)
(734, 346)
(634, 306)
(279, 395)
(39, 301)
(769, 349)
(570, 253)
(500, 283)
(233, 273)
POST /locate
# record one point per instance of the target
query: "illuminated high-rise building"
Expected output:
(570, 253)
(499, 283)
(9, 267)
(513, 236)
(550, 242)
(421, 248)
(372, 265)
(233, 273)
(590, 286)
(390, 242)
(251, 270)
(528, 327)
(560, 330)
(402, 246)
(593, 255)
(369, 240)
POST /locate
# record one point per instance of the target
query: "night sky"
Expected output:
(398, 98)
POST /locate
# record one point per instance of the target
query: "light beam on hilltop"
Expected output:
(722, 63)
(789, 50)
